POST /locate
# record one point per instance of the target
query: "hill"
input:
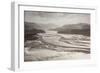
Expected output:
(81, 28)
(31, 30)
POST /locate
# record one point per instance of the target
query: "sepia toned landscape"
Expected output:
(56, 36)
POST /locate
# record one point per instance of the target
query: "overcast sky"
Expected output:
(56, 18)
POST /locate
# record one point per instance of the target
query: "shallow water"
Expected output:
(54, 46)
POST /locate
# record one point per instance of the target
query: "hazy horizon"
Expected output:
(56, 18)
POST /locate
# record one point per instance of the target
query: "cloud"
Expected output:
(58, 18)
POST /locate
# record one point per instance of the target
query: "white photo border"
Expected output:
(17, 60)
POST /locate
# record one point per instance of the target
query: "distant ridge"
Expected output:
(80, 28)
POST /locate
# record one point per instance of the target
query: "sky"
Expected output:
(57, 18)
